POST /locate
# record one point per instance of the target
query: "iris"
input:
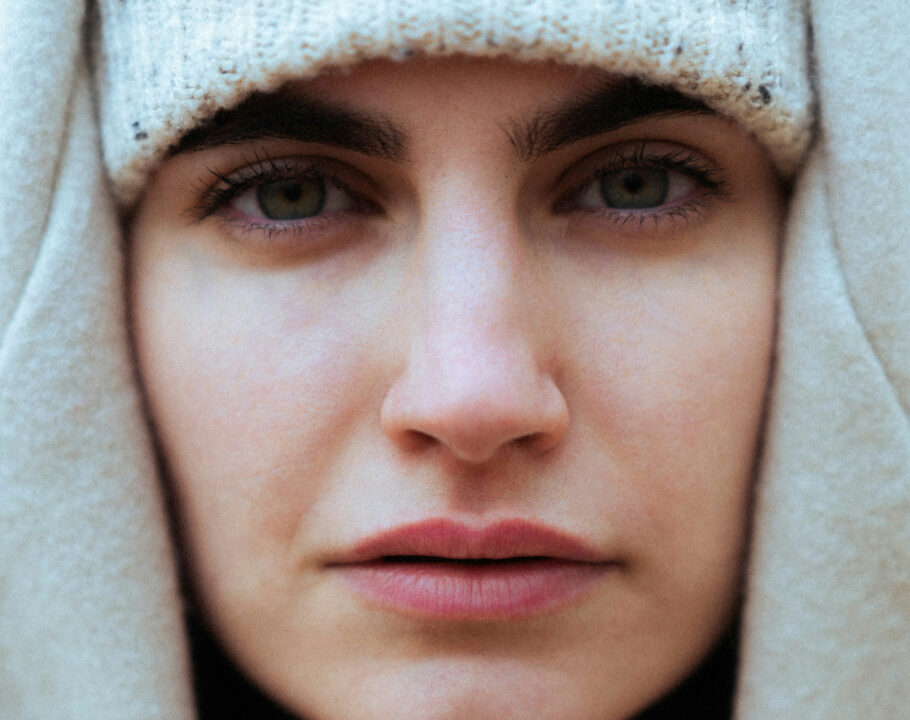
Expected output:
(291, 199)
(635, 188)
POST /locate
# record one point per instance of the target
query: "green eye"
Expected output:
(635, 188)
(291, 199)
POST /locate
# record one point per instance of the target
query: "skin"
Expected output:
(483, 342)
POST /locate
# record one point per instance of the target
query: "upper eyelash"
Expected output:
(685, 161)
(681, 160)
(211, 198)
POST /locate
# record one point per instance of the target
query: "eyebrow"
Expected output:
(293, 116)
(608, 107)
(305, 118)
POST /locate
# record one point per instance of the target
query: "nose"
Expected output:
(479, 369)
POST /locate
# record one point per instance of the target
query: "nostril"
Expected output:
(414, 440)
(531, 441)
(480, 449)
(473, 428)
(472, 405)
(539, 442)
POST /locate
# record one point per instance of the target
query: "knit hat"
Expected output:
(164, 66)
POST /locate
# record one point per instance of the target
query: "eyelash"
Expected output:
(213, 198)
(640, 156)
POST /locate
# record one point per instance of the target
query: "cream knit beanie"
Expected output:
(164, 66)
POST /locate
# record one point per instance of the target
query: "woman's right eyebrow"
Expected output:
(295, 116)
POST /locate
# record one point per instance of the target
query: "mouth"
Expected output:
(446, 570)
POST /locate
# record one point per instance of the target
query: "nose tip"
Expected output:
(478, 372)
(475, 404)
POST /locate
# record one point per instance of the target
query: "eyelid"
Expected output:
(217, 188)
(645, 224)
(638, 153)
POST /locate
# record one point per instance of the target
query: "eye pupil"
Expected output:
(291, 199)
(291, 191)
(632, 182)
(635, 188)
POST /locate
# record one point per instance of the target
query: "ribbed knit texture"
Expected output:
(164, 66)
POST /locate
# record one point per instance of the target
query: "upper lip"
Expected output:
(449, 539)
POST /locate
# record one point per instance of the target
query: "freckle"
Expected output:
(739, 48)
(747, 87)
(135, 125)
(679, 49)
(765, 94)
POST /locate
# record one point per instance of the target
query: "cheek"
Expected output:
(252, 400)
(677, 379)
(684, 366)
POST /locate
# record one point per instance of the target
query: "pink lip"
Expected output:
(444, 569)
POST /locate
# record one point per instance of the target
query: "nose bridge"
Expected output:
(476, 376)
(470, 286)
(470, 265)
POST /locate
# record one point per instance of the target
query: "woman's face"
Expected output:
(458, 368)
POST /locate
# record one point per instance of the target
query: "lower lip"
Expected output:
(473, 591)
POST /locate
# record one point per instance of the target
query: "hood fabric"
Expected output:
(828, 611)
(91, 621)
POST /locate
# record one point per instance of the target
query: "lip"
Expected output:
(444, 569)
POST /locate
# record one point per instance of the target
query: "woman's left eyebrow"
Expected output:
(613, 104)
(293, 116)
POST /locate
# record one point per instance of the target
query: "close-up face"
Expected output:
(458, 370)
